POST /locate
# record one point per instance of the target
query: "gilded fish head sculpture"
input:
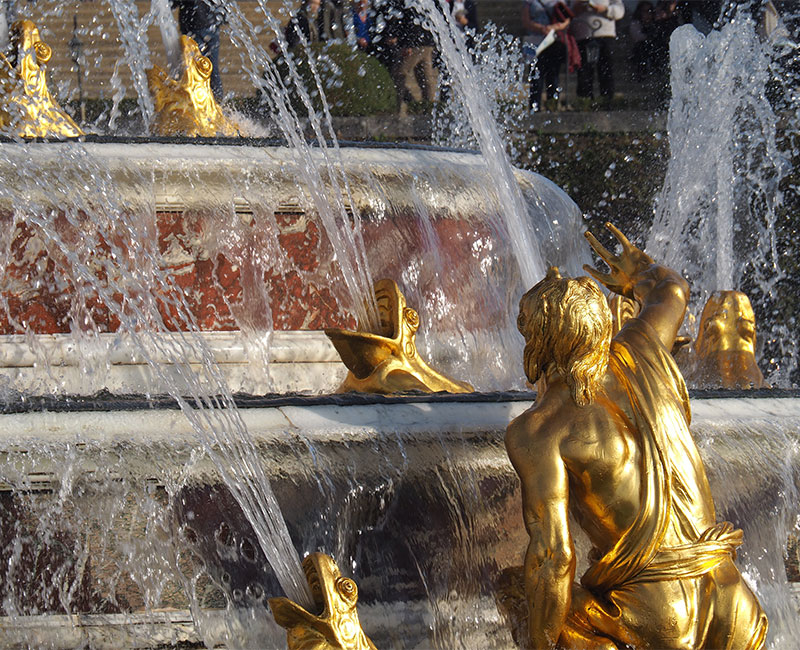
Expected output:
(726, 343)
(187, 107)
(196, 67)
(26, 106)
(31, 49)
(336, 625)
(388, 361)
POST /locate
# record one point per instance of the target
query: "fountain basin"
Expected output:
(296, 362)
(415, 496)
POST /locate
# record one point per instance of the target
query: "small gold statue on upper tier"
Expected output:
(609, 438)
(187, 107)
(388, 362)
(337, 626)
(726, 344)
(27, 108)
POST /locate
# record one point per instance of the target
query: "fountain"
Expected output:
(167, 384)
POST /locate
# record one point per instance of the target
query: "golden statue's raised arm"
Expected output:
(608, 438)
(661, 292)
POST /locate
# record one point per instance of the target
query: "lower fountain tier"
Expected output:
(117, 504)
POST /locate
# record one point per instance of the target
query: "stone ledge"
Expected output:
(599, 122)
(177, 627)
(417, 128)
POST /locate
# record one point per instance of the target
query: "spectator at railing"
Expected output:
(415, 47)
(363, 21)
(462, 22)
(539, 18)
(384, 41)
(468, 11)
(666, 19)
(641, 31)
(595, 29)
(332, 21)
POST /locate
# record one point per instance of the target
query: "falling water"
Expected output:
(751, 454)
(4, 27)
(528, 254)
(717, 216)
(134, 272)
(357, 486)
(170, 36)
(133, 34)
(499, 66)
(328, 190)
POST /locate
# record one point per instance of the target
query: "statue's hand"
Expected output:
(626, 269)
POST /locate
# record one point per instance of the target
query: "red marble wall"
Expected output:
(200, 277)
(226, 272)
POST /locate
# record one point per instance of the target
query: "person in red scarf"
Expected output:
(545, 53)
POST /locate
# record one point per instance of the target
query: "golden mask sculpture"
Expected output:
(27, 109)
(337, 626)
(609, 438)
(187, 107)
(726, 343)
(388, 361)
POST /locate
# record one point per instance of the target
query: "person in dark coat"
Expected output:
(416, 54)
(304, 25)
(201, 20)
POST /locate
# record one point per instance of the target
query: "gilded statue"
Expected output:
(388, 361)
(336, 627)
(608, 438)
(726, 344)
(27, 109)
(623, 309)
(187, 107)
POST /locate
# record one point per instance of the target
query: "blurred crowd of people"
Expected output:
(396, 34)
(578, 36)
(581, 35)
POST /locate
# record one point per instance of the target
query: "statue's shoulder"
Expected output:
(542, 424)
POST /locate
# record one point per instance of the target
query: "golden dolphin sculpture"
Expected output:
(187, 107)
(337, 626)
(388, 361)
(27, 108)
(726, 343)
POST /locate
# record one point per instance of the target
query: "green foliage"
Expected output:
(354, 83)
(611, 176)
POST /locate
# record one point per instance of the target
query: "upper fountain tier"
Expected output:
(108, 236)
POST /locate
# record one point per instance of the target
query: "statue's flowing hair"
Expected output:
(566, 323)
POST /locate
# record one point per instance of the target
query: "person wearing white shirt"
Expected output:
(595, 29)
